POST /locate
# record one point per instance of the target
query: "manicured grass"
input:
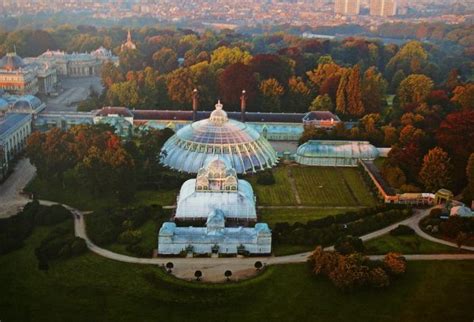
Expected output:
(278, 194)
(329, 186)
(91, 288)
(316, 186)
(84, 200)
(273, 216)
(411, 244)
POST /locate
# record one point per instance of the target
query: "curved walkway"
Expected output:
(242, 267)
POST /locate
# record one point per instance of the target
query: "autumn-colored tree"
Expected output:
(410, 134)
(408, 158)
(233, 80)
(180, 85)
(323, 262)
(378, 278)
(456, 134)
(124, 94)
(298, 95)
(323, 72)
(374, 87)
(165, 60)
(394, 176)
(469, 192)
(223, 57)
(272, 66)
(341, 98)
(395, 263)
(349, 94)
(414, 90)
(322, 103)
(205, 80)
(436, 171)
(464, 96)
(110, 74)
(390, 135)
(271, 91)
(51, 153)
(411, 58)
(131, 59)
(350, 272)
(397, 78)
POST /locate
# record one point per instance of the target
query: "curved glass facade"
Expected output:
(196, 144)
(335, 153)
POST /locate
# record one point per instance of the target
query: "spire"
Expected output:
(129, 36)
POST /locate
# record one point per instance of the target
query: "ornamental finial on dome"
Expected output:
(218, 116)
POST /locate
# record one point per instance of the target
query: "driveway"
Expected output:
(10, 191)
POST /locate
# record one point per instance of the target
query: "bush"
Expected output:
(266, 178)
(348, 245)
(130, 237)
(395, 263)
(401, 230)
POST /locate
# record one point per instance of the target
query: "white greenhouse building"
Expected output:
(216, 187)
(335, 153)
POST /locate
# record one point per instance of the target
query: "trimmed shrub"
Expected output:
(266, 178)
(401, 230)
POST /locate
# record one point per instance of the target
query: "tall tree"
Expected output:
(271, 91)
(436, 171)
(374, 87)
(355, 105)
(322, 103)
(414, 90)
(233, 80)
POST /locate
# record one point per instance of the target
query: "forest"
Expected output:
(417, 98)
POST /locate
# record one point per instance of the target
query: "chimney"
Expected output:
(243, 105)
(195, 104)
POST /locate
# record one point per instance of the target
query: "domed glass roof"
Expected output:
(27, 103)
(3, 105)
(194, 145)
(11, 62)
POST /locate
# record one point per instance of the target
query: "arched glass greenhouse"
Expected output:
(335, 153)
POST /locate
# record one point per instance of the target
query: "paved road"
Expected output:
(74, 90)
(10, 197)
(213, 268)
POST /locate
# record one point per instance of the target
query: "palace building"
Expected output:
(16, 77)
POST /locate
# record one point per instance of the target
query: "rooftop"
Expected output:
(12, 120)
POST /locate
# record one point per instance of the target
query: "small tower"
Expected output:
(195, 103)
(129, 43)
(243, 105)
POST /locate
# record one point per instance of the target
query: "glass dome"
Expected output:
(3, 105)
(335, 153)
(242, 147)
(11, 62)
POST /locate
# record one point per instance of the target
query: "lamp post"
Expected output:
(243, 105)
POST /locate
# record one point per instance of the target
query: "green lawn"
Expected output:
(272, 216)
(84, 200)
(329, 186)
(411, 244)
(316, 186)
(91, 288)
(278, 194)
